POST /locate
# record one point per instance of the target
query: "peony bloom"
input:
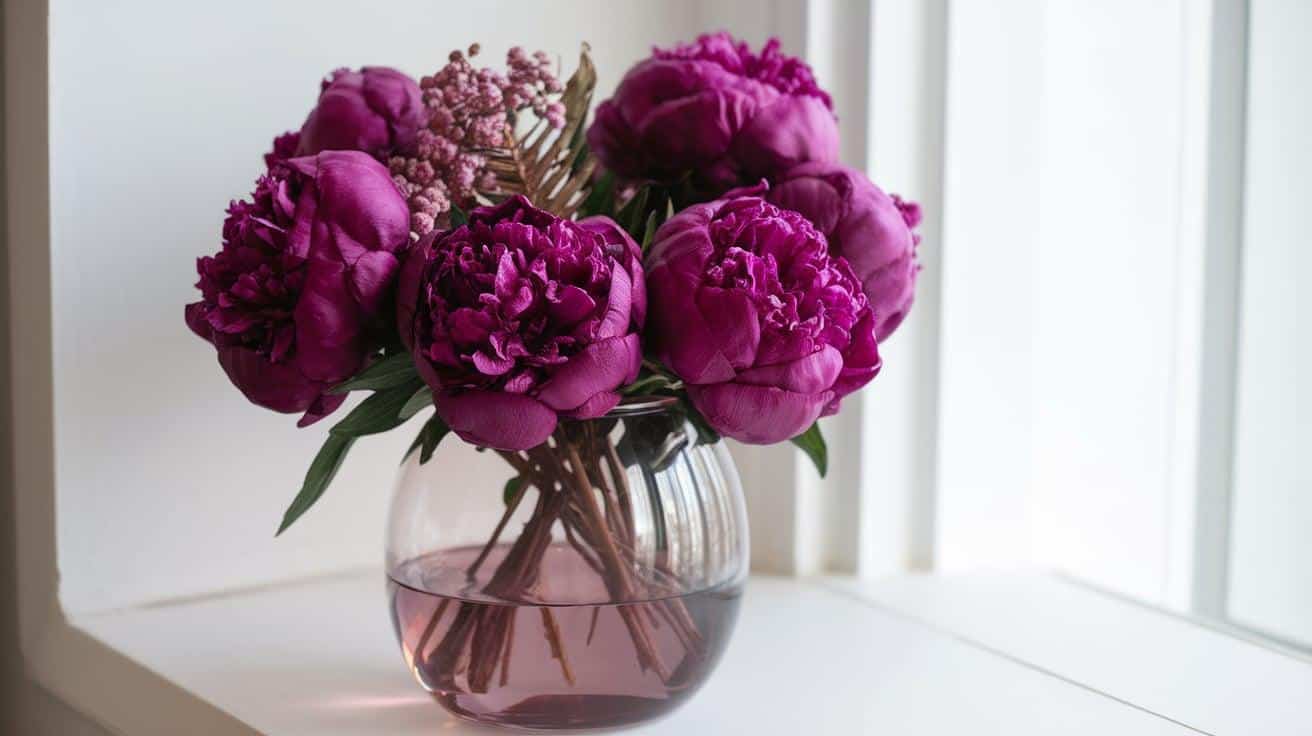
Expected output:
(376, 110)
(284, 149)
(518, 317)
(303, 278)
(872, 230)
(767, 330)
(718, 110)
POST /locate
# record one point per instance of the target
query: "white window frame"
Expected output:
(877, 512)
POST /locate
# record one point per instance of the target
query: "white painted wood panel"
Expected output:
(1271, 552)
(989, 234)
(1106, 273)
(900, 409)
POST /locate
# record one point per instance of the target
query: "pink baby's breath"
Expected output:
(469, 109)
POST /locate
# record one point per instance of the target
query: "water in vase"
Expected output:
(578, 662)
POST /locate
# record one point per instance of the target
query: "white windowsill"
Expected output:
(1011, 654)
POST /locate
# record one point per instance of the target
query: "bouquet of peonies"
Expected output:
(464, 243)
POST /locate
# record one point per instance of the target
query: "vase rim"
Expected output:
(637, 405)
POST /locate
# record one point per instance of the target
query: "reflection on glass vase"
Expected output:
(590, 582)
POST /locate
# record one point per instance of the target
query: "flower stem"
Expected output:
(591, 500)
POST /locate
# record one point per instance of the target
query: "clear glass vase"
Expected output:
(590, 582)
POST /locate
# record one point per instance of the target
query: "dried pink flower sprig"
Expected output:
(469, 109)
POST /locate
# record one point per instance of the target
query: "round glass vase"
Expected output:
(590, 582)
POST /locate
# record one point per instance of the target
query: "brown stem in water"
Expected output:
(505, 517)
(600, 531)
(618, 581)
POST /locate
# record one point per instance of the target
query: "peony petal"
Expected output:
(809, 374)
(470, 326)
(329, 326)
(861, 360)
(342, 121)
(628, 256)
(619, 306)
(490, 365)
(409, 285)
(679, 335)
(693, 130)
(821, 200)
(371, 279)
(891, 291)
(277, 386)
(615, 143)
(298, 238)
(571, 305)
(872, 236)
(397, 98)
(194, 314)
(596, 406)
(321, 407)
(495, 419)
(360, 202)
(507, 276)
(784, 133)
(758, 415)
(682, 239)
(602, 367)
(639, 279)
(732, 322)
(376, 110)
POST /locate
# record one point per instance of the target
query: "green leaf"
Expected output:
(653, 222)
(393, 370)
(601, 198)
(706, 435)
(422, 399)
(646, 384)
(429, 437)
(581, 150)
(457, 216)
(317, 478)
(633, 214)
(434, 429)
(813, 444)
(378, 413)
(513, 488)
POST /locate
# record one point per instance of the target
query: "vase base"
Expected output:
(558, 667)
(576, 713)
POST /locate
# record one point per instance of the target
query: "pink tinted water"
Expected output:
(606, 685)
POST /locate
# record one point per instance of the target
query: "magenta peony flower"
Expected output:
(376, 110)
(284, 149)
(519, 317)
(766, 329)
(716, 109)
(872, 230)
(304, 277)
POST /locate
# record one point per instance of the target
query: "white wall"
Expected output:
(159, 114)
(1271, 550)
